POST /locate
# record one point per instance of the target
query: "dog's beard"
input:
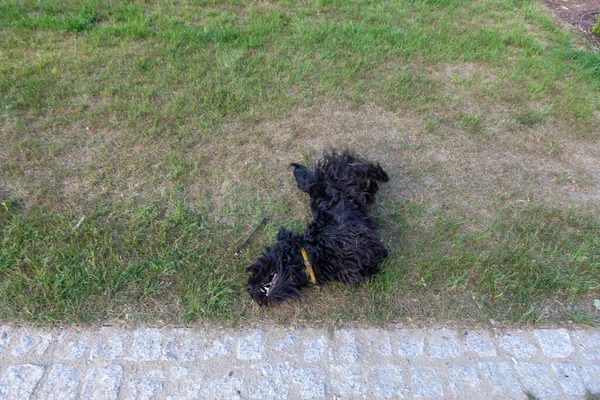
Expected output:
(266, 273)
(272, 280)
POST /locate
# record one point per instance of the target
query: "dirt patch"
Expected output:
(448, 166)
(580, 14)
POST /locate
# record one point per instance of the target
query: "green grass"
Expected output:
(151, 120)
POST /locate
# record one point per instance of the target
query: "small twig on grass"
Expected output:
(262, 221)
(79, 223)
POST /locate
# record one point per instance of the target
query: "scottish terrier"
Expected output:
(339, 244)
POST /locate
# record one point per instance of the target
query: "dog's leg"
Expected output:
(303, 176)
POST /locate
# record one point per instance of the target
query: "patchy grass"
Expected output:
(169, 126)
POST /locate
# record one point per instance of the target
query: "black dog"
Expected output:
(340, 244)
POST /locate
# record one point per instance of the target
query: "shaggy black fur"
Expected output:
(341, 240)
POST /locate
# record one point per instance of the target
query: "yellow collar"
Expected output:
(309, 269)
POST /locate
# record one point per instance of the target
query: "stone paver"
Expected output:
(346, 350)
(287, 344)
(180, 363)
(147, 344)
(180, 346)
(480, 344)
(5, 336)
(314, 348)
(38, 343)
(19, 381)
(591, 377)
(62, 383)
(443, 344)
(555, 343)
(103, 383)
(378, 342)
(425, 383)
(273, 381)
(500, 377)
(147, 386)
(537, 379)
(569, 378)
(251, 347)
(589, 344)
(464, 380)
(388, 381)
(515, 344)
(410, 347)
(311, 382)
(220, 347)
(347, 381)
(108, 346)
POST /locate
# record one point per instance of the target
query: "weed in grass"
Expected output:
(583, 317)
(471, 123)
(529, 117)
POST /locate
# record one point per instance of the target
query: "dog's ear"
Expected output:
(303, 176)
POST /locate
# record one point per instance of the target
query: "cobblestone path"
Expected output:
(277, 363)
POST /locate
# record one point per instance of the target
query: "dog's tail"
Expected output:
(303, 176)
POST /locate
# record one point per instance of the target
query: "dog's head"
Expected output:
(271, 277)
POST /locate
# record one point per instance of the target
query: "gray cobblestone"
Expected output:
(62, 383)
(591, 377)
(347, 381)
(555, 343)
(103, 383)
(346, 350)
(500, 377)
(109, 347)
(27, 342)
(388, 381)
(5, 336)
(589, 344)
(219, 347)
(410, 347)
(378, 342)
(18, 381)
(77, 348)
(311, 382)
(536, 379)
(24, 345)
(288, 342)
(517, 346)
(425, 383)
(479, 344)
(273, 381)
(304, 364)
(314, 349)
(251, 347)
(568, 378)
(148, 386)
(229, 388)
(464, 380)
(180, 346)
(146, 345)
(443, 344)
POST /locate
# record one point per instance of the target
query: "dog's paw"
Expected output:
(303, 176)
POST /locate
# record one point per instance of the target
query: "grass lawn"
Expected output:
(141, 141)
